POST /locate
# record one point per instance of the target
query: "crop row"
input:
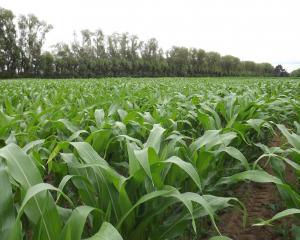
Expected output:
(139, 159)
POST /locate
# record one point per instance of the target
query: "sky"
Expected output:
(257, 30)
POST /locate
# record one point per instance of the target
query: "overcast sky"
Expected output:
(258, 30)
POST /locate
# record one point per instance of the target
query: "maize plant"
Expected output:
(139, 158)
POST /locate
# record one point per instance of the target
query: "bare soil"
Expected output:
(258, 199)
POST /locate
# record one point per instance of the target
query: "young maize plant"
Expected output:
(138, 158)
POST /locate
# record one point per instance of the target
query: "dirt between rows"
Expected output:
(258, 199)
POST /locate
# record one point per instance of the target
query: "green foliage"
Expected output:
(137, 158)
(289, 156)
(295, 73)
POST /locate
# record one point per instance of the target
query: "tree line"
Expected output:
(93, 54)
(295, 73)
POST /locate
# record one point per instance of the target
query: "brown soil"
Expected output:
(258, 199)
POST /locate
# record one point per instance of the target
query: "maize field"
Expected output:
(143, 159)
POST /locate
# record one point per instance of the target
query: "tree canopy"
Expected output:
(94, 54)
(296, 73)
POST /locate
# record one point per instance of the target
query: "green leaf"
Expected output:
(87, 153)
(220, 238)
(167, 192)
(187, 167)
(155, 137)
(279, 215)
(257, 124)
(76, 135)
(5, 119)
(142, 157)
(106, 232)
(134, 164)
(102, 175)
(99, 117)
(35, 190)
(32, 144)
(209, 137)
(252, 175)
(70, 126)
(23, 170)
(292, 138)
(235, 153)
(75, 224)
(201, 201)
(145, 198)
(67, 178)
(7, 216)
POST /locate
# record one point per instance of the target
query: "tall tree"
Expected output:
(279, 71)
(248, 68)
(64, 60)
(86, 54)
(295, 73)
(113, 50)
(152, 54)
(9, 51)
(178, 59)
(201, 63)
(32, 36)
(101, 57)
(264, 69)
(213, 60)
(230, 65)
(134, 53)
(46, 68)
